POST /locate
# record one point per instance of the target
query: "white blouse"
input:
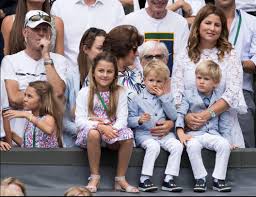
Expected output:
(230, 87)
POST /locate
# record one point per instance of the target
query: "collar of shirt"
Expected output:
(203, 96)
(97, 1)
(148, 95)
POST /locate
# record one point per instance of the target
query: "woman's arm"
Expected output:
(59, 47)
(6, 31)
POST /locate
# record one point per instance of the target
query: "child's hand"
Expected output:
(10, 114)
(233, 146)
(158, 91)
(183, 137)
(144, 118)
(108, 131)
(4, 146)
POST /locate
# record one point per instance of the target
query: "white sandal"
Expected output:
(92, 188)
(129, 188)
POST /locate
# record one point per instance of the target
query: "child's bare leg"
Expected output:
(94, 153)
(124, 155)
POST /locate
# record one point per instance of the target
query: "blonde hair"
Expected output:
(113, 89)
(222, 44)
(77, 191)
(6, 191)
(49, 105)
(159, 67)
(209, 68)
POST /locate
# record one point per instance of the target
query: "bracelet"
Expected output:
(212, 113)
(48, 62)
(30, 117)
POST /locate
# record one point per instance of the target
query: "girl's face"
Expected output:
(210, 29)
(96, 47)
(104, 75)
(31, 99)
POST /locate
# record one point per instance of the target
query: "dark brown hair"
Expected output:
(16, 42)
(121, 39)
(84, 63)
(222, 44)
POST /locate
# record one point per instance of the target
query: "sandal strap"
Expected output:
(119, 178)
(94, 177)
(131, 189)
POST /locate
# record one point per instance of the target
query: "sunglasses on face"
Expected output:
(39, 17)
(134, 49)
(150, 57)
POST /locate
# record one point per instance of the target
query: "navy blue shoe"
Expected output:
(221, 186)
(147, 186)
(171, 186)
(200, 185)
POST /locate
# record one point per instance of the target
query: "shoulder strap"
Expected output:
(102, 102)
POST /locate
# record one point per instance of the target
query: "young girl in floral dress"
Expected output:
(101, 114)
(43, 125)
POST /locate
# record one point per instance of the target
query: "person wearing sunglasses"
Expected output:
(151, 50)
(35, 62)
(12, 27)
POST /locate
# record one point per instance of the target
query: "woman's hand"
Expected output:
(195, 120)
(162, 128)
(10, 114)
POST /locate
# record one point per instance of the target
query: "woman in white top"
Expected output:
(209, 40)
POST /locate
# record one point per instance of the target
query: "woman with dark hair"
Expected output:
(123, 41)
(90, 46)
(12, 27)
(209, 40)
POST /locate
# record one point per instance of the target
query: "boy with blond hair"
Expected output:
(147, 110)
(214, 135)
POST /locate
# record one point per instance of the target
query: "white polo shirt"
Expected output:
(23, 69)
(78, 17)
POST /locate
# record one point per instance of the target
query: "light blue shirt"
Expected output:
(192, 102)
(160, 108)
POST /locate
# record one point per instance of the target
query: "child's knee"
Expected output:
(93, 135)
(153, 146)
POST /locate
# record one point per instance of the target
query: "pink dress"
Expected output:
(35, 138)
(123, 134)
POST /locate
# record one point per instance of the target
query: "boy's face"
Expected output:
(153, 81)
(205, 84)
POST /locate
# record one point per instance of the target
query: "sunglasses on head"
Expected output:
(38, 17)
(150, 57)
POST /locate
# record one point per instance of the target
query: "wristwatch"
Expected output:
(48, 62)
(212, 113)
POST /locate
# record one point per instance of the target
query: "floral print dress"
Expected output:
(36, 138)
(100, 112)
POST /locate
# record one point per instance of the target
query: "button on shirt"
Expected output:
(78, 17)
